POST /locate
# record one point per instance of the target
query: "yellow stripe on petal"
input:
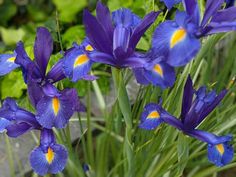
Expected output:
(89, 48)
(177, 37)
(81, 59)
(55, 105)
(49, 155)
(157, 68)
(220, 148)
(12, 59)
(153, 115)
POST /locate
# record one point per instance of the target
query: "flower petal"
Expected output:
(43, 48)
(7, 63)
(220, 154)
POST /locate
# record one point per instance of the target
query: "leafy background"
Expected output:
(97, 138)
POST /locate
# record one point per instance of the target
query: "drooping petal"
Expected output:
(214, 28)
(76, 64)
(56, 111)
(56, 73)
(151, 117)
(140, 29)
(3, 124)
(226, 15)
(43, 48)
(211, 9)
(18, 129)
(139, 75)
(160, 74)
(104, 18)
(124, 17)
(220, 154)
(96, 33)
(7, 63)
(175, 42)
(187, 97)
(170, 3)
(49, 157)
(208, 137)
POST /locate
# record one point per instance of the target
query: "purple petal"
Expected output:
(226, 15)
(15, 130)
(96, 33)
(187, 97)
(56, 73)
(211, 9)
(43, 48)
(7, 63)
(223, 27)
(170, 3)
(208, 137)
(141, 28)
(101, 57)
(3, 124)
(104, 18)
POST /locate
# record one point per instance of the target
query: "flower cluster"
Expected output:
(111, 38)
(220, 152)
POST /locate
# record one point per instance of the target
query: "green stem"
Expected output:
(89, 128)
(125, 108)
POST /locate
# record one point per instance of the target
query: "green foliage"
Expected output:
(69, 8)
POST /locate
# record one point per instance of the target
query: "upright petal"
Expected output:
(220, 154)
(104, 18)
(140, 29)
(43, 48)
(170, 3)
(124, 17)
(211, 9)
(226, 15)
(214, 28)
(56, 73)
(187, 97)
(96, 33)
(7, 63)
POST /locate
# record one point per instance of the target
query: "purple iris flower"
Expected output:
(77, 63)
(15, 120)
(49, 157)
(220, 152)
(114, 38)
(7, 63)
(179, 39)
(35, 71)
(156, 72)
(170, 3)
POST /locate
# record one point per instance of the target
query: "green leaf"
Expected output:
(12, 85)
(69, 8)
(12, 36)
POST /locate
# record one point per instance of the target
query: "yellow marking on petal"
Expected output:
(157, 68)
(153, 115)
(89, 48)
(12, 59)
(55, 105)
(220, 148)
(81, 59)
(177, 37)
(49, 155)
